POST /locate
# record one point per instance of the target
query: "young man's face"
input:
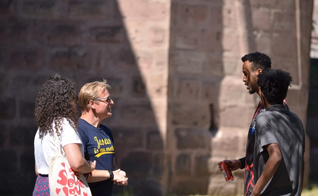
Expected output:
(250, 77)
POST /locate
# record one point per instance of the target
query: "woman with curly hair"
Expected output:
(55, 113)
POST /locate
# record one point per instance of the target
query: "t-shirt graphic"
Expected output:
(98, 145)
(104, 146)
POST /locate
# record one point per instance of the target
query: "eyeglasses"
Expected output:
(108, 99)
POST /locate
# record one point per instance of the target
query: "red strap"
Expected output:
(250, 183)
(258, 109)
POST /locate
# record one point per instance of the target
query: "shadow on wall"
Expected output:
(85, 41)
(195, 75)
(312, 116)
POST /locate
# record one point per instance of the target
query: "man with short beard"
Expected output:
(253, 64)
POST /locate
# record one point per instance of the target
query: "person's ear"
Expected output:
(259, 71)
(91, 104)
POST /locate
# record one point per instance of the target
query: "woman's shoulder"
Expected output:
(66, 121)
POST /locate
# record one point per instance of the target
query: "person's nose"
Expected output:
(244, 79)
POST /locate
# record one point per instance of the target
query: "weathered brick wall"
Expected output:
(314, 32)
(207, 40)
(147, 26)
(175, 70)
(206, 96)
(85, 41)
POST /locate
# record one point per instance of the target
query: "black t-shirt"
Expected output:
(279, 125)
(98, 145)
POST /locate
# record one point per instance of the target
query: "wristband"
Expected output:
(111, 175)
(242, 160)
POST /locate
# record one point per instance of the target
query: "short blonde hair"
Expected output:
(90, 91)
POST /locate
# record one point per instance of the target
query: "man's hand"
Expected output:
(275, 157)
(233, 164)
(255, 193)
(120, 177)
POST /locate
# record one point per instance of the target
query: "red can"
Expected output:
(226, 172)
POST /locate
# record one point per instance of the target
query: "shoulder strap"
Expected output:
(259, 107)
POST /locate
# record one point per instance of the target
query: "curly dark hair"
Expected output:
(274, 85)
(56, 100)
(259, 60)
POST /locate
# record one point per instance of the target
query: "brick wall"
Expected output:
(203, 75)
(207, 41)
(175, 70)
(85, 41)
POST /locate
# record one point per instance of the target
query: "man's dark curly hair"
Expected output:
(55, 101)
(274, 85)
(259, 60)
